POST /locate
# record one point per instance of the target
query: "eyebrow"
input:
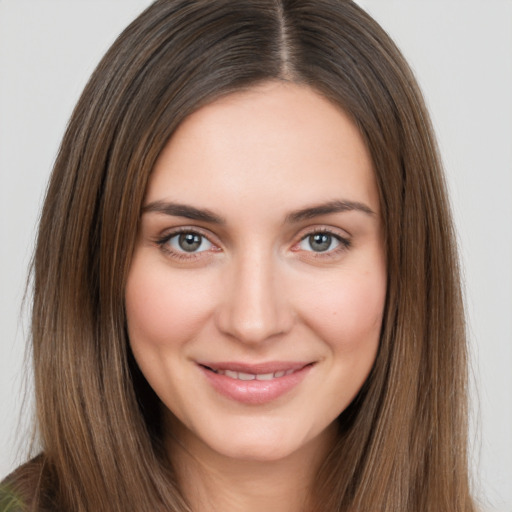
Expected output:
(205, 215)
(327, 208)
(183, 210)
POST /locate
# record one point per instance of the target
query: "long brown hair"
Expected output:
(402, 442)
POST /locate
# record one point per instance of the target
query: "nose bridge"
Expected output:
(256, 307)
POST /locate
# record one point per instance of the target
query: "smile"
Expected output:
(255, 384)
(252, 376)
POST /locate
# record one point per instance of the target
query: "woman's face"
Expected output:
(257, 286)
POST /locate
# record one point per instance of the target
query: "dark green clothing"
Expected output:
(9, 502)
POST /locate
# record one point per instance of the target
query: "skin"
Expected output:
(258, 289)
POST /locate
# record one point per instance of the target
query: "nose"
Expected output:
(255, 306)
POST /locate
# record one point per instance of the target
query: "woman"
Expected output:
(246, 288)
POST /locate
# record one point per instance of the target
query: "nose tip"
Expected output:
(255, 308)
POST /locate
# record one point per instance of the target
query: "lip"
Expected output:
(255, 391)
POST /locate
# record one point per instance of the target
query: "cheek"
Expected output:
(162, 307)
(347, 312)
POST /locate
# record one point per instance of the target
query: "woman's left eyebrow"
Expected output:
(336, 206)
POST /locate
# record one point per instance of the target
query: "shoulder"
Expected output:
(23, 488)
(9, 500)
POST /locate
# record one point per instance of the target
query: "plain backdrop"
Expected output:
(461, 52)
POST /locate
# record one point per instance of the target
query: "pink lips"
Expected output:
(254, 384)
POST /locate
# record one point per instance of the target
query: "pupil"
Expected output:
(320, 242)
(189, 242)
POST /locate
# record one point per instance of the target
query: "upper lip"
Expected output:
(257, 368)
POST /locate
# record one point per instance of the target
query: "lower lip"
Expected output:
(255, 392)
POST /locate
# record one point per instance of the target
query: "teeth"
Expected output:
(251, 376)
(265, 376)
(246, 376)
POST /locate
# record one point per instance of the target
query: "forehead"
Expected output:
(279, 142)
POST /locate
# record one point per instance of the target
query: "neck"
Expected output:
(213, 482)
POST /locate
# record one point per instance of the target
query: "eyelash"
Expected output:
(163, 243)
(344, 243)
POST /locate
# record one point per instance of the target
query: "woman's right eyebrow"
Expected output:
(183, 210)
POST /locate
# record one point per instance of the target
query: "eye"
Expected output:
(188, 242)
(321, 242)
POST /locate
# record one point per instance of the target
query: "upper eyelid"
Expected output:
(169, 233)
(335, 231)
(344, 240)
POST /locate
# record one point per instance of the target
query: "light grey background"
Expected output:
(461, 51)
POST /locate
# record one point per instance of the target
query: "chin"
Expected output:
(271, 443)
(257, 452)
